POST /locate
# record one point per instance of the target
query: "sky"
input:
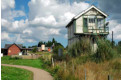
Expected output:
(29, 21)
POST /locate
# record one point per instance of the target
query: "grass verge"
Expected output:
(37, 63)
(11, 73)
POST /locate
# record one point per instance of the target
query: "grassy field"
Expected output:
(33, 63)
(11, 73)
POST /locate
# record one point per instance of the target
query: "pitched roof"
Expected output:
(83, 12)
(88, 10)
(8, 45)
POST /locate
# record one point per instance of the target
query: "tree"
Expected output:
(40, 43)
(113, 43)
(34, 49)
(54, 41)
(49, 44)
(29, 47)
(55, 50)
(58, 44)
(23, 46)
(119, 43)
(34, 46)
(119, 47)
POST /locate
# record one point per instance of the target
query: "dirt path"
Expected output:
(39, 74)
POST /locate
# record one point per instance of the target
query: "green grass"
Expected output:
(44, 52)
(11, 73)
(37, 63)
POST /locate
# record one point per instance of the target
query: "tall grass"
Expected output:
(104, 50)
(81, 47)
(84, 46)
(82, 60)
(75, 69)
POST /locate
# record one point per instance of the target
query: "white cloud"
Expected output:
(19, 39)
(5, 23)
(27, 31)
(116, 28)
(5, 36)
(66, 36)
(30, 40)
(15, 26)
(46, 20)
(7, 4)
(8, 12)
(54, 31)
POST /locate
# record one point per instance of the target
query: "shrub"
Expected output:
(104, 50)
(34, 49)
(80, 47)
(119, 49)
(55, 50)
(15, 58)
(56, 54)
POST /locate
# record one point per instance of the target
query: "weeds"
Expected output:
(81, 59)
(81, 47)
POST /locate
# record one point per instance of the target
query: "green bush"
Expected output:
(48, 63)
(15, 58)
(34, 49)
(80, 47)
(55, 50)
(56, 54)
(104, 51)
(119, 49)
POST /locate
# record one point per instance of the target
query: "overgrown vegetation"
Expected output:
(104, 51)
(80, 59)
(81, 47)
(56, 54)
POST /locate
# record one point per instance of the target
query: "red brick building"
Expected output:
(14, 49)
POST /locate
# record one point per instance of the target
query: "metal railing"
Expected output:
(99, 30)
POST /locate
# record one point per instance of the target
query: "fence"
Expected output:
(33, 56)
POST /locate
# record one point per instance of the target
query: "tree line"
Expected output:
(47, 44)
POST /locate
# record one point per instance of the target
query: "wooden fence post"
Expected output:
(109, 77)
(65, 65)
(73, 66)
(85, 74)
(52, 62)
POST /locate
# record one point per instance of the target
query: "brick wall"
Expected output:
(13, 50)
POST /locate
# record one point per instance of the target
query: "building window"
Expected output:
(100, 22)
(91, 20)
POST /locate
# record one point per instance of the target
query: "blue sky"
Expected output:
(29, 21)
(22, 5)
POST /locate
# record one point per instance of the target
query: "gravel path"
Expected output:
(39, 74)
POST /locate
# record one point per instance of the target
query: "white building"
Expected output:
(90, 22)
